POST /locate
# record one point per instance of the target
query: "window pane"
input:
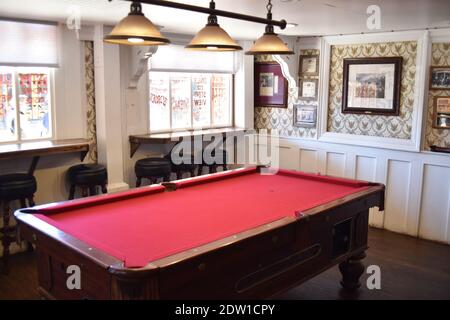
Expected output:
(7, 106)
(201, 100)
(34, 102)
(181, 101)
(221, 99)
(159, 101)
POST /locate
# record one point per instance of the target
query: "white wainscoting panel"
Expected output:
(309, 161)
(434, 222)
(398, 182)
(335, 164)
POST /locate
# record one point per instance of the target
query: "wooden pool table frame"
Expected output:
(255, 264)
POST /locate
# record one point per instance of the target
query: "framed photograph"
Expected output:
(305, 116)
(271, 88)
(309, 65)
(372, 86)
(441, 118)
(308, 89)
(440, 78)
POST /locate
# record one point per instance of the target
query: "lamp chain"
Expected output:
(269, 6)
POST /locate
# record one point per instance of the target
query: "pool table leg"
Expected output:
(351, 271)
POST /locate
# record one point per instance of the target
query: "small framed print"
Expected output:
(309, 65)
(440, 78)
(372, 86)
(308, 89)
(441, 119)
(271, 87)
(305, 116)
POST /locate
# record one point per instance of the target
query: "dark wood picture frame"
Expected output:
(300, 68)
(432, 70)
(440, 115)
(300, 89)
(279, 100)
(395, 110)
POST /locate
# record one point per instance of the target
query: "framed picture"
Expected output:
(271, 88)
(441, 118)
(440, 78)
(372, 86)
(309, 65)
(305, 116)
(308, 89)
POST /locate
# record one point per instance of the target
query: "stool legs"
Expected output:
(6, 241)
(104, 189)
(72, 192)
(138, 182)
(92, 190)
(31, 201)
(84, 191)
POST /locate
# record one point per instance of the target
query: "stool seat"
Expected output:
(88, 177)
(17, 185)
(87, 174)
(152, 169)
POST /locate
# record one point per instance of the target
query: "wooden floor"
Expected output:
(410, 269)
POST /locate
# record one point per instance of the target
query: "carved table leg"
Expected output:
(351, 270)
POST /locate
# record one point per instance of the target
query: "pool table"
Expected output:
(248, 233)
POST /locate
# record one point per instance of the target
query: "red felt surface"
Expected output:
(141, 229)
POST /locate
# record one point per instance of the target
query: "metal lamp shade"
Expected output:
(136, 30)
(213, 38)
(269, 43)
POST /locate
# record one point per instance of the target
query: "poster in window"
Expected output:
(201, 100)
(159, 101)
(180, 87)
(221, 99)
(270, 85)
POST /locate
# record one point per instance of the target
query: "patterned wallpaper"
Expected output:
(90, 95)
(438, 137)
(280, 118)
(370, 125)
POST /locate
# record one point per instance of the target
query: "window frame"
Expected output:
(192, 128)
(15, 70)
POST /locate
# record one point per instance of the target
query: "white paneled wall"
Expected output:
(418, 183)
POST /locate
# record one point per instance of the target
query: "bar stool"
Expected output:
(212, 167)
(152, 169)
(15, 186)
(187, 165)
(88, 177)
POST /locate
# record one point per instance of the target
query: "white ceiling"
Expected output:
(314, 17)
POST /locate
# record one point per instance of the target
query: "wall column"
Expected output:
(109, 109)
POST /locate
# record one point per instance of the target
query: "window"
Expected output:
(25, 104)
(180, 100)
